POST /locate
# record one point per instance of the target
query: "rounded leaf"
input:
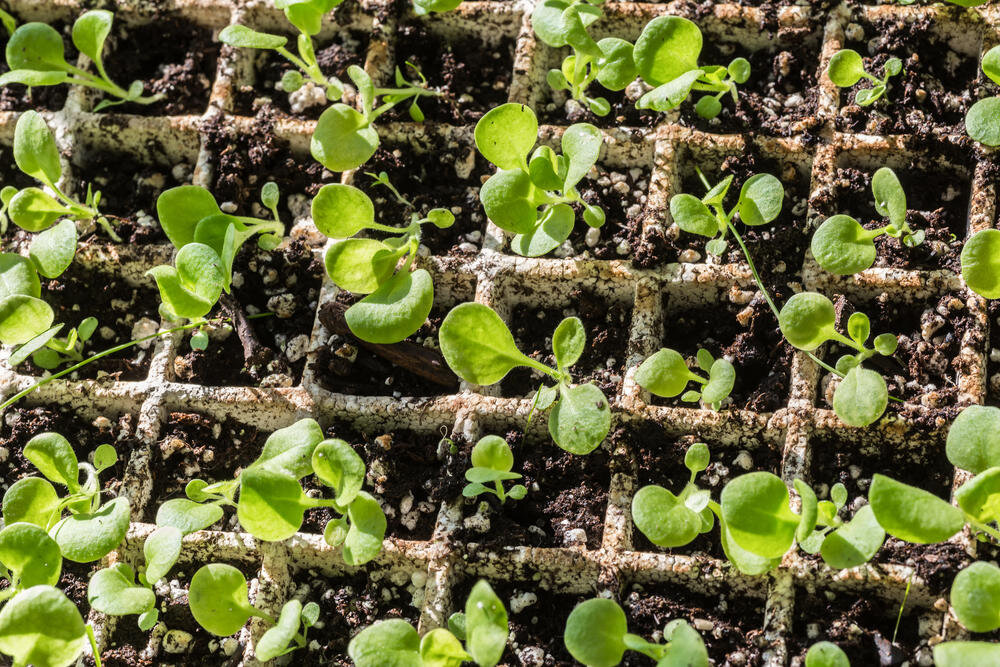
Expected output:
(912, 514)
(351, 265)
(113, 591)
(161, 550)
(36, 46)
(366, 532)
(90, 31)
(241, 36)
(54, 457)
(890, 200)
(494, 453)
(581, 144)
(569, 341)
(340, 211)
(806, 320)
(271, 505)
(855, 542)
(33, 209)
(41, 626)
(555, 227)
(84, 538)
(663, 519)
(973, 442)
(982, 122)
(337, 465)
(756, 511)
(52, 251)
(180, 210)
(760, 199)
(506, 134)
(478, 346)
(668, 47)
(30, 554)
(580, 419)
(721, 380)
(18, 276)
(846, 68)
(861, 397)
(30, 500)
(187, 516)
(595, 633)
(390, 643)
(219, 600)
(842, 246)
(975, 597)
(826, 654)
(664, 374)
(691, 215)
(981, 262)
(277, 638)
(396, 310)
(22, 318)
(486, 626)
(964, 653)
(35, 150)
(343, 139)
(616, 67)
(509, 199)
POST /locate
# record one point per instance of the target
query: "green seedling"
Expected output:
(398, 301)
(759, 203)
(666, 374)
(23, 314)
(36, 57)
(807, 321)
(842, 246)
(666, 57)
(964, 653)
(345, 138)
(114, 590)
(669, 520)
(846, 68)
(826, 654)
(49, 352)
(36, 210)
(980, 261)
(41, 626)
(306, 16)
(8, 21)
(84, 528)
(272, 503)
(982, 122)
(492, 462)
(479, 635)
(597, 635)
(609, 61)
(533, 199)
(207, 241)
(220, 603)
(480, 349)
(975, 597)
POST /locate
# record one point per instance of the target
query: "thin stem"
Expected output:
(93, 645)
(992, 532)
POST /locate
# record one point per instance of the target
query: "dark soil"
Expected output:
(80, 293)
(736, 619)
(747, 336)
(938, 202)
(15, 97)
(170, 56)
(622, 194)
(334, 57)
(349, 604)
(565, 492)
(473, 76)
(432, 172)
(21, 424)
(934, 92)
(126, 645)
(993, 354)
(284, 282)
(607, 326)
(861, 626)
(559, 109)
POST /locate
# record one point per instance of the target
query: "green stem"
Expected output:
(992, 532)
(93, 645)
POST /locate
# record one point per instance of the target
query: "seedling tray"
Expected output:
(646, 275)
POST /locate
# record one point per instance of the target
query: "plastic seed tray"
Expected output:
(775, 614)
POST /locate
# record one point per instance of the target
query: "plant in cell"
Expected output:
(666, 374)
(666, 57)
(597, 635)
(479, 635)
(306, 16)
(846, 68)
(980, 261)
(345, 138)
(807, 320)
(41, 626)
(480, 349)
(492, 462)
(272, 504)
(399, 299)
(559, 23)
(35, 209)
(36, 57)
(975, 599)
(759, 203)
(220, 603)
(982, 122)
(826, 654)
(23, 314)
(49, 352)
(842, 246)
(533, 199)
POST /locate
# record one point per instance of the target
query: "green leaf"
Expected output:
(846, 68)
(241, 36)
(192, 288)
(510, 200)
(890, 200)
(187, 516)
(180, 210)
(809, 511)
(973, 442)
(89, 33)
(861, 397)
(912, 514)
(686, 647)
(616, 67)
(22, 318)
(34, 210)
(52, 251)
(760, 199)
(826, 654)
(272, 504)
(975, 597)
(351, 265)
(506, 134)
(368, 524)
(341, 211)
(440, 648)
(478, 346)
(35, 150)
(36, 46)
(721, 379)
(756, 511)
(663, 518)
(485, 625)
(806, 320)
(219, 600)
(31, 500)
(40, 626)
(113, 591)
(161, 550)
(555, 227)
(981, 262)
(337, 465)
(28, 77)
(391, 643)
(691, 215)
(980, 496)
(671, 94)
(581, 419)
(991, 62)
(668, 47)
(277, 638)
(842, 246)
(290, 449)
(32, 346)
(18, 276)
(745, 561)
(665, 373)
(569, 341)
(581, 143)
(343, 139)
(595, 632)
(494, 453)
(105, 456)
(963, 654)
(708, 107)
(395, 311)
(982, 121)
(54, 457)
(855, 542)
(30, 554)
(84, 538)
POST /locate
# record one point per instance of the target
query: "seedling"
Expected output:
(114, 590)
(41, 626)
(272, 503)
(962, 653)
(532, 199)
(597, 635)
(826, 654)
(666, 57)
(666, 374)
(492, 461)
(609, 61)
(760, 202)
(981, 263)
(479, 636)
(671, 521)
(35, 55)
(480, 349)
(807, 321)
(49, 352)
(398, 301)
(306, 16)
(842, 246)
(220, 603)
(23, 314)
(982, 122)
(207, 241)
(90, 529)
(345, 138)
(846, 68)
(35, 210)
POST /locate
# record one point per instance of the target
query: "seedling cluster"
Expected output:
(847, 67)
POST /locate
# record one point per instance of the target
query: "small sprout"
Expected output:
(41, 626)
(48, 352)
(975, 597)
(480, 349)
(35, 56)
(981, 263)
(492, 461)
(842, 246)
(846, 68)
(674, 521)
(597, 635)
(826, 654)
(760, 202)
(399, 300)
(666, 374)
(532, 199)
(666, 57)
(982, 122)
(23, 314)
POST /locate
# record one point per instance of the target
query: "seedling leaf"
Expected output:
(912, 514)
